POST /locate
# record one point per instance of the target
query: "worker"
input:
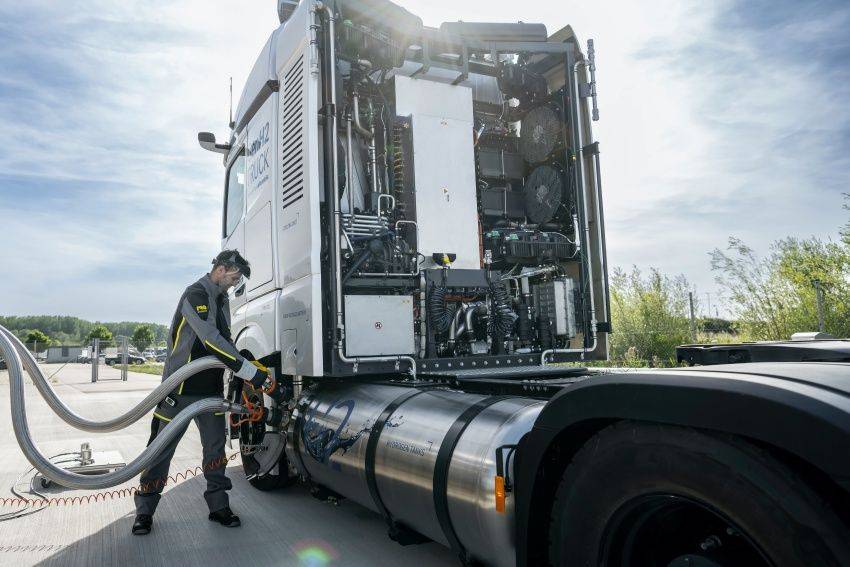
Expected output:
(201, 327)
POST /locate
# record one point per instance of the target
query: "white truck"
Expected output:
(422, 211)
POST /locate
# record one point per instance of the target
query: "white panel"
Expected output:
(444, 168)
(288, 350)
(377, 325)
(297, 192)
(296, 209)
(300, 309)
(259, 333)
(421, 96)
(258, 247)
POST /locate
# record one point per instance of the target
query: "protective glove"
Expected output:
(263, 379)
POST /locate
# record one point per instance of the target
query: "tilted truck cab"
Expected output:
(422, 209)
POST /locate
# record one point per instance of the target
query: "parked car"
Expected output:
(131, 359)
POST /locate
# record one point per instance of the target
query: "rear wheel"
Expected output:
(640, 494)
(262, 449)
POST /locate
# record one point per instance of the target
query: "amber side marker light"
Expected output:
(500, 494)
(502, 485)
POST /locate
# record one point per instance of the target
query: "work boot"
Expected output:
(142, 525)
(225, 517)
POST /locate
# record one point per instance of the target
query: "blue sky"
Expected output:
(717, 119)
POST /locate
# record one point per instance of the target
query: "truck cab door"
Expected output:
(233, 231)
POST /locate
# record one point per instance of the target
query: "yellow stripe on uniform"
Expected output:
(162, 417)
(218, 350)
(174, 348)
(177, 335)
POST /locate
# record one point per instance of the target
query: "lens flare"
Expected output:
(314, 553)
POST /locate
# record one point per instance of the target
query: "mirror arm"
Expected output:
(207, 141)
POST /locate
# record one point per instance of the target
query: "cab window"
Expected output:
(234, 195)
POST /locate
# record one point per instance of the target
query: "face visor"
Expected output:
(237, 267)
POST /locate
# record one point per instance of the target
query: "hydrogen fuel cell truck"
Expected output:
(422, 209)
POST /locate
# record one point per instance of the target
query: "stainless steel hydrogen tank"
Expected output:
(332, 434)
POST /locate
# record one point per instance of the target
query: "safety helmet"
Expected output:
(233, 259)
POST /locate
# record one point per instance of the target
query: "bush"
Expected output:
(649, 317)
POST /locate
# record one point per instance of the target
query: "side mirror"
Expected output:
(207, 141)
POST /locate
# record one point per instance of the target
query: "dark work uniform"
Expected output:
(200, 327)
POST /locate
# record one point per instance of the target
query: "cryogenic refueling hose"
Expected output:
(81, 481)
(114, 424)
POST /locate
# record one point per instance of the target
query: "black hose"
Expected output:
(439, 313)
(502, 316)
(356, 265)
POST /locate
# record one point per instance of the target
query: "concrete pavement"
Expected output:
(282, 528)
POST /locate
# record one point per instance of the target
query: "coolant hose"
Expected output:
(82, 481)
(114, 424)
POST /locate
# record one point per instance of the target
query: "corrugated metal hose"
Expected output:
(12, 350)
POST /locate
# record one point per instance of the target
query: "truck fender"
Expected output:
(253, 339)
(802, 409)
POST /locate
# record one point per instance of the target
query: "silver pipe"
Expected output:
(314, 43)
(386, 196)
(369, 135)
(576, 229)
(415, 271)
(373, 157)
(355, 102)
(470, 313)
(579, 125)
(84, 481)
(454, 324)
(349, 166)
(114, 424)
(530, 273)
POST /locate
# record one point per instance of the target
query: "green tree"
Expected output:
(102, 333)
(650, 317)
(143, 337)
(36, 336)
(775, 296)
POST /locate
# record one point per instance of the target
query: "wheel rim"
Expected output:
(667, 530)
(261, 445)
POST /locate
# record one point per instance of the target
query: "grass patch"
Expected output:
(149, 368)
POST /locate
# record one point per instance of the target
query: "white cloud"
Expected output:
(703, 134)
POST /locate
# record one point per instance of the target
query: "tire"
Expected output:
(270, 481)
(654, 495)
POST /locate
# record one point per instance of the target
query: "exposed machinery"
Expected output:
(422, 211)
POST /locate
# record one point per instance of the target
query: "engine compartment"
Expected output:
(459, 191)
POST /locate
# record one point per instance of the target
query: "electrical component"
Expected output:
(502, 202)
(527, 247)
(498, 163)
(517, 81)
(555, 305)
